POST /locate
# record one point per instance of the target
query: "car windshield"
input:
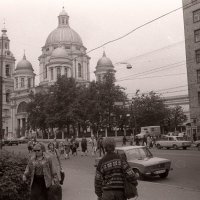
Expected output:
(138, 153)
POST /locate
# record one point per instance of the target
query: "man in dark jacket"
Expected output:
(110, 172)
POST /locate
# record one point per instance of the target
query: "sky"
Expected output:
(155, 51)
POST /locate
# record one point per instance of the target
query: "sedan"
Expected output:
(197, 144)
(143, 162)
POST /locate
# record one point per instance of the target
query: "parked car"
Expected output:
(11, 141)
(143, 162)
(22, 140)
(197, 144)
(174, 142)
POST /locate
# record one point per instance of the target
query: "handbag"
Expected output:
(130, 190)
(55, 192)
(62, 173)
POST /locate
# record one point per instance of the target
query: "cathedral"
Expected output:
(62, 54)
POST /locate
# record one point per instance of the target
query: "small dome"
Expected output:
(24, 64)
(104, 61)
(59, 52)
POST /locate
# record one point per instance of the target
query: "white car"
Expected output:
(174, 142)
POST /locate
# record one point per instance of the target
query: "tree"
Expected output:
(148, 109)
(176, 117)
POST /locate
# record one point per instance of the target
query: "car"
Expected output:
(11, 141)
(197, 144)
(23, 139)
(175, 142)
(142, 161)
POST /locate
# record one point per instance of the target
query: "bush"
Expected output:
(12, 167)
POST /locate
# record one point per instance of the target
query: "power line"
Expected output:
(125, 35)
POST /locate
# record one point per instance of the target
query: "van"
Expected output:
(151, 130)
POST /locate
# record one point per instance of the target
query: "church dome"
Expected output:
(24, 64)
(59, 52)
(63, 33)
(104, 61)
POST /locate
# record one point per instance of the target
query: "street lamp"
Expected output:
(128, 65)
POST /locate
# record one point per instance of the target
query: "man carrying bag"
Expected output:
(112, 175)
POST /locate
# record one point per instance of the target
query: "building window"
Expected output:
(22, 82)
(197, 35)
(16, 82)
(78, 48)
(196, 15)
(6, 45)
(66, 72)
(79, 70)
(47, 49)
(58, 71)
(199, 98)
(7, 97)
(29, 82)
(198, 76)
(45, 72)
(67, 47)
(7, 70)
(51, 74)
(197, 52)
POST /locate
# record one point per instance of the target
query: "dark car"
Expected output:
(23, 140)
(143, 162)
(11, 141)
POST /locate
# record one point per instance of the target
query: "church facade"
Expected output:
(62, 54)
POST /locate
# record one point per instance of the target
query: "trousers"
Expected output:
(113, 195)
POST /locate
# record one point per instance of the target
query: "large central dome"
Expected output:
(63, 34)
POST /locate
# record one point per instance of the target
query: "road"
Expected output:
(185, 176)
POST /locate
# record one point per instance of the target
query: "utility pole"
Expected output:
(1, 94)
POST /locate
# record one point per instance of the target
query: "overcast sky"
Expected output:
(156, 51)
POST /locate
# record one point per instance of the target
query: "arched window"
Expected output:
(16, 82)
(7, 96)
(22, 107)
(22, 82)
(58, 71)
(79, 70)
(7, 70)
(29, 82)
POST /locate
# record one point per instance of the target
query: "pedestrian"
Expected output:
(100, 146)
(74, 148)
(149, 141)
(56, 143)
(94, 145)
(144, 140)
(84, 146)
(131, 139)
(55, 156)
(110, 172)
(30, 146)
(67, 148)
(41, 172)
(137, 141)
(62, 150)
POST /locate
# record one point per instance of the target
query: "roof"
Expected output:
(126, 148)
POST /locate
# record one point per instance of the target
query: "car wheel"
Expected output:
(164, 175)
(184, 148)
(167, 147)
(198, 147)
(158, 146)
(175, 146)
(138, 174)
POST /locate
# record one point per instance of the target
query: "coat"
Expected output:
(47, 167)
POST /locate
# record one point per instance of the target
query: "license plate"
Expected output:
(159, 171)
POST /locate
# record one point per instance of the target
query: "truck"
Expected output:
(151, 130)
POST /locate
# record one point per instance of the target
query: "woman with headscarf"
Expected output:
(55, 156)
(42, 173)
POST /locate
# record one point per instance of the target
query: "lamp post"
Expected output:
(1, 94)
